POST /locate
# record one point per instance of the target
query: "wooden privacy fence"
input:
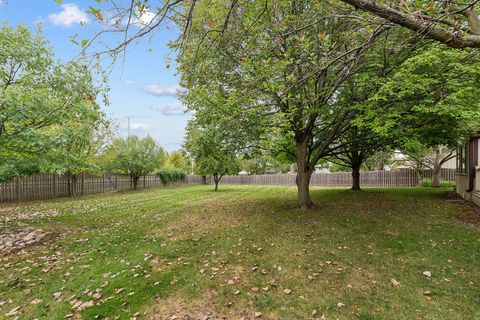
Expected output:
(401, 178)
(45, 186)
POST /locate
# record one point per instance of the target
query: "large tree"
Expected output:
(43, 102)
(361, 141)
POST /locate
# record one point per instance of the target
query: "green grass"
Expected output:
(186, 250)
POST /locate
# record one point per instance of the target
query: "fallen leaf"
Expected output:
(394, 282)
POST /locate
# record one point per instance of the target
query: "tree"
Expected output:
(212, 153)
(78, 152)
(429, 158)
(135, 156)
(176, 160)
(454, 23)
(287, 65)
(358, 145)
(360, 141)
(433, 98)
(43, 103)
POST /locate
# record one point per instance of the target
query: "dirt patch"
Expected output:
(19, 238)
(205, 308)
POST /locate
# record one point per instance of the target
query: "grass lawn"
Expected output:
(189, 253)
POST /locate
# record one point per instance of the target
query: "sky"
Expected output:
(142, 88)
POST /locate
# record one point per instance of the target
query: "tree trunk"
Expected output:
(436, 178)
(436, 168)
(71, 182)
(304, 174)
(216, 178)
(135, 182)
(356, 178)
(381, 166)
(204, 179)
(356, 164)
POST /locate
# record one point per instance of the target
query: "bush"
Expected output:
(171, 175)
(443, 183)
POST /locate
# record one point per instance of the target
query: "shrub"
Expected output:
(171, 175)
(443, 183)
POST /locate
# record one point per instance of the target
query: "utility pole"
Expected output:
(128, 120)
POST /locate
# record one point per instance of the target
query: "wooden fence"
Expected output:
(388, 179)
(47, 186)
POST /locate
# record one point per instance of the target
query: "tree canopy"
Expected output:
(176, 160)
(211, 152)
(48, 107)
(134, 156)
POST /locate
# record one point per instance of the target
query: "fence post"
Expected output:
(54, 185)
(17, 188)
(144, 181)
(103, 183)
(82, 183)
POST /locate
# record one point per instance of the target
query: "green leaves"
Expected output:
(49, 113)
(212, 153)
(435, 94)
(134, 156)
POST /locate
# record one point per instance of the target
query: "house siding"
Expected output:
(462, 186)
(468, 179)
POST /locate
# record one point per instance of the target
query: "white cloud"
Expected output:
(161, 91)
(170, 109)
(141, 126)
(144, 18)
(69, 16)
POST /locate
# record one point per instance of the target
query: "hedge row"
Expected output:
(171, 175)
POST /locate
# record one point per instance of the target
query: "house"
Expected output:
(321, 169)
(401, 161)
(468, 181)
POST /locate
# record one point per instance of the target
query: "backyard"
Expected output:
(244, 252)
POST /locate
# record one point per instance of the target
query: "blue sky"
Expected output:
(142, 88)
